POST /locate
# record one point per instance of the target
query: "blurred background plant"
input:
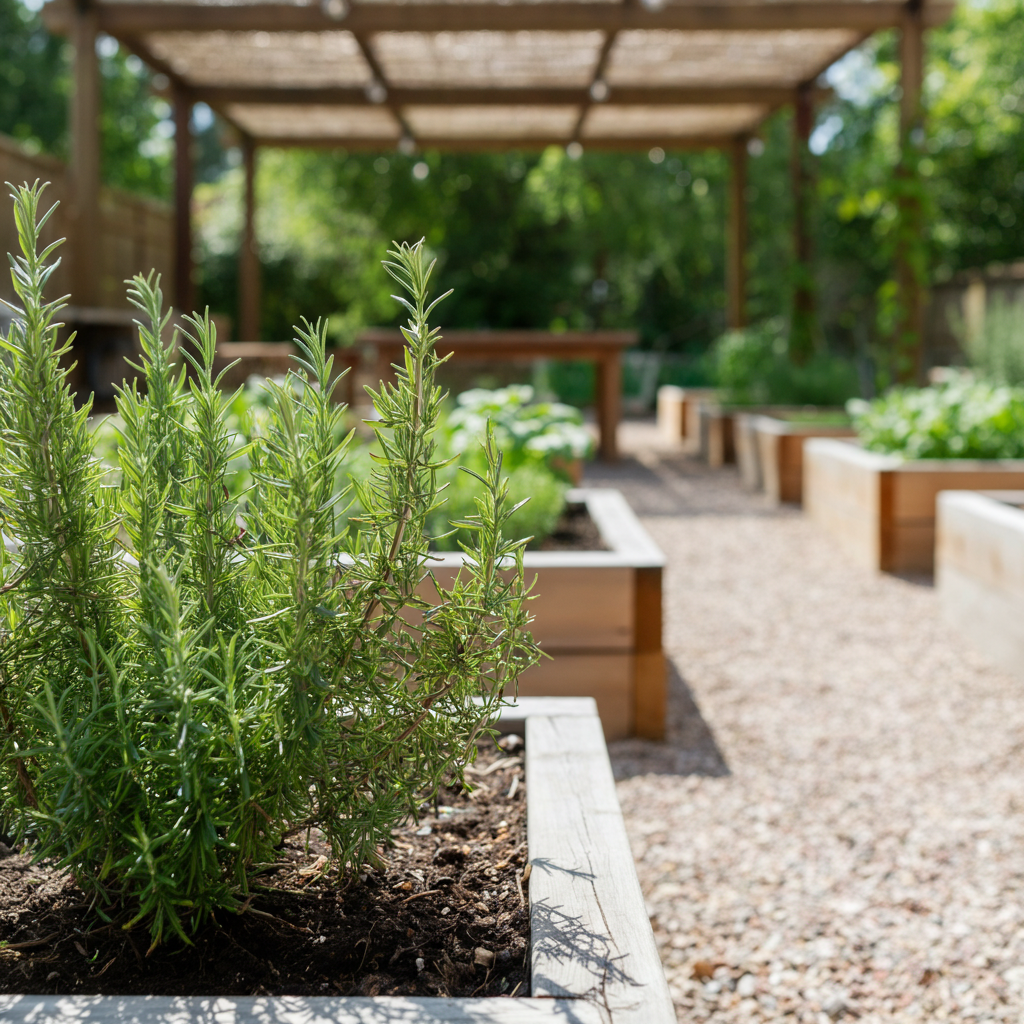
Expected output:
(607, 240)
(996, 349)
(755, 367)
(961, 419)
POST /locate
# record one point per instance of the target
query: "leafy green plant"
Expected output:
(524, 428)
(753, 367)
(963, 419)
(182, 686)
(538, 441)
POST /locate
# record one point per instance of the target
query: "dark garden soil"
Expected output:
(448, 917)
(575, 531)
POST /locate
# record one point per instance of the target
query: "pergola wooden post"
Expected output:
(249, 278)
(736, 268)
(84, 169)
(801, 343)
(909, 273)
(184, 289)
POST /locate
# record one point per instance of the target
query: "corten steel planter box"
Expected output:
(881, 508)
(979, 571)
(679, 414)
(779, 444)
(599, 615)
(593, 955)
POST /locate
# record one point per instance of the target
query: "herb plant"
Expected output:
(182, 686)
(962, 419)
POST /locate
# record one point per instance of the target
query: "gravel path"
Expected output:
(835, 829)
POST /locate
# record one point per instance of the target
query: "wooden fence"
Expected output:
(136, 234)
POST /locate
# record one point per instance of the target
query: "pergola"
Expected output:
(475, 74)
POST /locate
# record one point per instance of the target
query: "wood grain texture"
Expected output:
(716, 443)
(780, 445)
(916, 484)
(670, 417)
(979, 572)
(31, 1009)
(748, 455)
(841, 495)
(573, 608)
(649, 679)
(590, 934)
(881, 509)
(607, 678)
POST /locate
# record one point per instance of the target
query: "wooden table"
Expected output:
(602, 348)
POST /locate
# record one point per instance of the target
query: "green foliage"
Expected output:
(183, 684)
(524, 429)
(538, 441)
(753, 367)
(964, 419)
(996, 351)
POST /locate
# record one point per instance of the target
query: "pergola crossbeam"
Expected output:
(668, 96)
(127, 18)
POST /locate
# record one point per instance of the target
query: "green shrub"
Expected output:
(183, 684)
(753, 367)
(964, 419)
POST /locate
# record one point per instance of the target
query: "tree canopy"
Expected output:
(608, 239)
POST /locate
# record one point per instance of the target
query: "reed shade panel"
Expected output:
(263, 58)
(609, 73)
(736, 58)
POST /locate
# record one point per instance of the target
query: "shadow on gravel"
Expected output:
(690, 747)
(663, 484)
(915, 579)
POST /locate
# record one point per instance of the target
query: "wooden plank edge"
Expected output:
(46, 1009)
(590, 934)
(620, 527)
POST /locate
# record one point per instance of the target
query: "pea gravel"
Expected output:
(835, 828)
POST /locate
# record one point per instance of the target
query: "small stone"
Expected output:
(425, 831)
(483, 957)
(746, 986)
(445, 911)
(420, 963)
(510, 743)
(482, 907)
(835, 1007)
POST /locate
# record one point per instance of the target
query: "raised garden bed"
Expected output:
(598, 614)
(679, 414)
(881, 508)
(592, 953)
(778, 444)
(717, 435)
(979, 570)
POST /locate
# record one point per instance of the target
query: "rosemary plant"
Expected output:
(185, 681)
